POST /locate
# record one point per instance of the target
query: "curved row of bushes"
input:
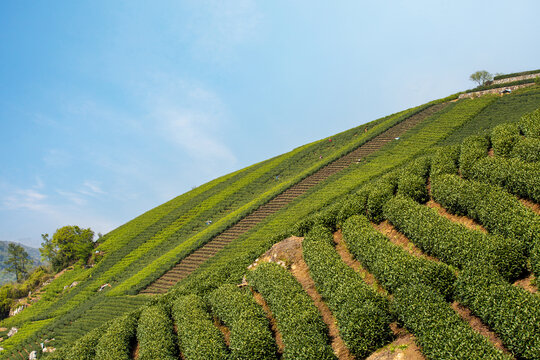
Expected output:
(516, 176)
(198, 338)
(250, 336)
(497, 210)
(155, 334)
(439, 331)
(453, 243)
(445, 160)
(362, 315)
(513, 313)
(390, 264)
(473, 148)
(298, 320)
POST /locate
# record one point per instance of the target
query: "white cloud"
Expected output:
(218, 27)
(195, 132)
(25, 199)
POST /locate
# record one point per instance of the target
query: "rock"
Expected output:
(73, 284)
(12, 331)
(33, 355)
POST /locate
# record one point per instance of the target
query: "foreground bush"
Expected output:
(473, 149)
(198, 338)
(298, 320)
(513, 313)
(389, 263)
(453, 243)
(445, 160)
(155, 334)
(117, 340)
(250, 336)
(362, 315)
(439, 331)
(498, 211)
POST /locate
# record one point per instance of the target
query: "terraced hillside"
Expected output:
(349, 297)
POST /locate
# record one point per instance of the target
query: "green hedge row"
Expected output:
(362, 315)
(527, 149)
(250, 335)
(379, 193)
(118, 339)
(85, 347)
(497, 210)
(445, 160)
(300, 324)
(505, 76)
(155, 334)
(453, 243)
(473, 148)
(389, 263)
(198, 338)
(439, 331)
(513, 313)
(503, 139)
(529, 124)
(516, 176)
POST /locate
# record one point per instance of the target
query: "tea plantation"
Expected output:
(188, 278)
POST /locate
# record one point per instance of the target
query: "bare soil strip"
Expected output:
(348, 259)
(300, 271)
(463, 220)
(404, 346)
(401, 240)
(479, 326)
(273, 324)
(531, 205)
(527, 284)
(224, 330)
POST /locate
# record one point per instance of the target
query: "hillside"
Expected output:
(7, 277)
(417, 233)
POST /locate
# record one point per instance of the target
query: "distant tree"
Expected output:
(481, 77)
(67, 245)
(18, 261)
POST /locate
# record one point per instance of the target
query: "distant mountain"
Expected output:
(7, 277)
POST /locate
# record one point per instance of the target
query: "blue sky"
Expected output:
(110, 108)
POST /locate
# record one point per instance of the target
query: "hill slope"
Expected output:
(398, 155)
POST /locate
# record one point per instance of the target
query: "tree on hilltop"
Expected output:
(18, 261)
(67, 245)
(481, 77)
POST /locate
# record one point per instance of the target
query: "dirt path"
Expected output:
(479, 326)
(404, 346)
(401, 240)
(273, 324)
(527, 284)
(531, 205)
(463, 220)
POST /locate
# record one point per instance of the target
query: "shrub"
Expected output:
(453, 243)
(390, 264)
(362, 316)
(529, 124)
(527, 149)
(439, 331)
(445, 160)
(250, 336)
(498, 211)
(516, 176)
(198, 338)
(513, 313)
(413, 186)
(503, 139)
(155, 334)
(473, 148)
(119, 337)
(85, 347)
(300, 324)
(379, 193)
(354, 204)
